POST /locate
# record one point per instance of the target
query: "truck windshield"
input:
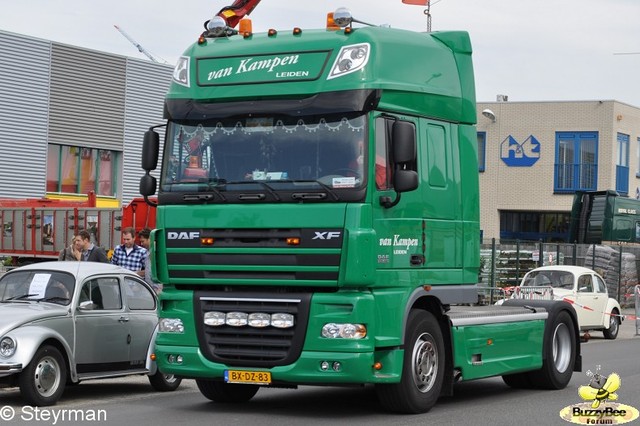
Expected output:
(273, 152)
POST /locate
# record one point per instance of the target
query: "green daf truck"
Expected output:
(318, 220)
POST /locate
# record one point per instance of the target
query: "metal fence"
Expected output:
(504, 263)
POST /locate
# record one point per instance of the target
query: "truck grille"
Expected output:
(249, 346)
(255, 257)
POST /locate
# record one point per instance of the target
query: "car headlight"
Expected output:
(170, 325)
(7, 347)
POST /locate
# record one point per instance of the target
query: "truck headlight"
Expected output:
(344, 331)
(181, 71)
(170, 325)
(350, 59)
(7, 347)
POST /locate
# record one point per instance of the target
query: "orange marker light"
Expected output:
(207, 241)
(272, 32)
(331, 24)
(489, 342)
(293, 241)
(377, 366)
(245, 26)
(297, 31)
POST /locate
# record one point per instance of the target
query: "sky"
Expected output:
(544, 50)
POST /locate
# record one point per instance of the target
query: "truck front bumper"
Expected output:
(343, 368)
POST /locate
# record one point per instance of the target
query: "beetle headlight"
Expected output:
(7, 347)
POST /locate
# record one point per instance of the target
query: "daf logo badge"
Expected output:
(183, 235)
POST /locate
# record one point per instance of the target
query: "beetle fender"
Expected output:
(30, 338)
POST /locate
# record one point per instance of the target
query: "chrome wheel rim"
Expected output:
(47, 376)
(561, 347)
(424, 363)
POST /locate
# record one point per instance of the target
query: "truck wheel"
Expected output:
(42, 381)
(225, 392)
(614, 326)
(559, 356)
(164, 382)
(423, 368)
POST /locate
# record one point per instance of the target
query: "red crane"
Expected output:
(238, 10)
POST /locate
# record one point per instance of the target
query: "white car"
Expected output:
(582, 287)
(65, 322)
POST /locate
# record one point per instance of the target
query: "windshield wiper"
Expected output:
(23, 296)
(211, 186)
(52, 298)
(261, 183)
(324, 186)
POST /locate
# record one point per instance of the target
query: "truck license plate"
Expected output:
(250, 377)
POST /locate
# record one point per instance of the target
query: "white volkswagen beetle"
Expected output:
(582, 287)
(65, 322)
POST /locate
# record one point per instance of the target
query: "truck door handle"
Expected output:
(417, 259)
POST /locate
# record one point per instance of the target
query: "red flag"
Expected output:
(416, 2)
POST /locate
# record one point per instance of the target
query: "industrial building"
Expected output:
(533, 156)
(72, 119)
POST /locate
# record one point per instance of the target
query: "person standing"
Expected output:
(145, 242)
(91, 252)
(129, 255)
(74, 251)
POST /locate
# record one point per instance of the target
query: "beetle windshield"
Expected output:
(555, 279)
(48, 286)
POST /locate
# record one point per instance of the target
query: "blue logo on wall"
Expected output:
(523, 154)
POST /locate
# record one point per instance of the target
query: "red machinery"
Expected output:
(37, 229)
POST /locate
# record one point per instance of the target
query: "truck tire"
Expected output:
(614, 326)
(164, 382)
(422, 370)
(224, 392)
(559, 356)
(43, 380)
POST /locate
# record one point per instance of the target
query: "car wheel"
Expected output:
(225, 392)
(559, 354)
(164, 382)
(614, 326)
(423, 368)
(43, 380)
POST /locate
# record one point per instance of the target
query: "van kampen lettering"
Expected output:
(249, 65)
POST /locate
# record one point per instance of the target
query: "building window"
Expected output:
(76, 170)
(622, 164)
(576, 165)
(482, 146)
(638, 157)
(534, 226)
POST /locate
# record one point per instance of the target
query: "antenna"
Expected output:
(140, 48)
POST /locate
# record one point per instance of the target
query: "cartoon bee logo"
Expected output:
(600, 388)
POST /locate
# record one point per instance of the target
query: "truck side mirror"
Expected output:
(150, 150)
(148, 185)
(404, 142)
(405, 149)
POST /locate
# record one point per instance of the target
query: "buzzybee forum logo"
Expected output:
(600, 407)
